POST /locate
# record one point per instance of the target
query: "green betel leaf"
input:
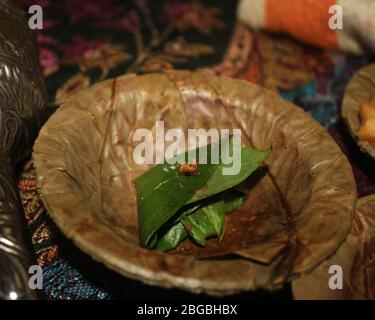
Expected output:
(205, 222)
(232, 199)
(198, 227)
(174, 236)
(163, 190)
(215, 214)
(251, 160)
(197, 221)
(176, 232)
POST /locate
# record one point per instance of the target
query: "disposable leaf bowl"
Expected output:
(360, 90)
(298, 210)
(355, 257)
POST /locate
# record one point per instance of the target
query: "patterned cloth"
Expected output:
(84, 42)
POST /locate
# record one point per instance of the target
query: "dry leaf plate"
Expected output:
(298, 211)
(356, 257)
(360, 89)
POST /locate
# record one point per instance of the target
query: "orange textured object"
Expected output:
(367, 131)
(367, 111)
(306, 20)
(367, 114)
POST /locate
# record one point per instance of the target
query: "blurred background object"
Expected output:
(22, 105)
(347, 25)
